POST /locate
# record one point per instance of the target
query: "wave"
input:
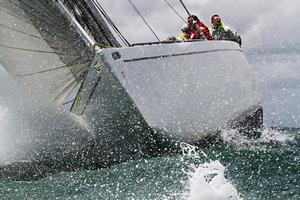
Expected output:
(268, 138)
(207, 180)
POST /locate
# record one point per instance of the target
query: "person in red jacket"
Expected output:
(197, 29)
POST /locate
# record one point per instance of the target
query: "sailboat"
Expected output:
(140, 100)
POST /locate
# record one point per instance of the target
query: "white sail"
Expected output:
(42, 47)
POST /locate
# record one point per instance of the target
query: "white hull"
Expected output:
(185, 90)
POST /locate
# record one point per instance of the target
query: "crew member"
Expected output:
(221, 32)
(185, 34)
(197, 29)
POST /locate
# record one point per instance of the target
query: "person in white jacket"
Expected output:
(221, 32)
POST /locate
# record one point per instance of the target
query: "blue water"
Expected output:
(264, 169)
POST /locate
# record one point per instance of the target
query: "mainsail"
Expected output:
(44, 49)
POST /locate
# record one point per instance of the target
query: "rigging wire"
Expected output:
(183, 5)
(166, 1)
(108, 19)
(138, 12)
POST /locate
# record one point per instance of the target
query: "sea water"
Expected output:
(264, 169)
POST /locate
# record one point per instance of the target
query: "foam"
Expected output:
(206, 181)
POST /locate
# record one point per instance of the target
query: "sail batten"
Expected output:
(48, 46)
(19, 31)
(42, 48)
(55, 68)
(14, 15)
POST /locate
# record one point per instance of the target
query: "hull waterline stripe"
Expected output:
(179, 54)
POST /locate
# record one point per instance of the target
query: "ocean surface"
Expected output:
(263, 169)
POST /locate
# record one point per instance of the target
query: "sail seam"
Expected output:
(34, 50)
(16, 16)
(21, 31)
(179, 54)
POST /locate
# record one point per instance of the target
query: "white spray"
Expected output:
(207, 180)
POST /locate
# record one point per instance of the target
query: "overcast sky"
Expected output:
(261, 22)
(270, 30)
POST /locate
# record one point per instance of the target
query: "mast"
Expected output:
(90, 18)
(91, 41)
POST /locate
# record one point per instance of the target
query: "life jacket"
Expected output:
(225, 33)
(204, 34)
(183, 38)
(220, 32)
